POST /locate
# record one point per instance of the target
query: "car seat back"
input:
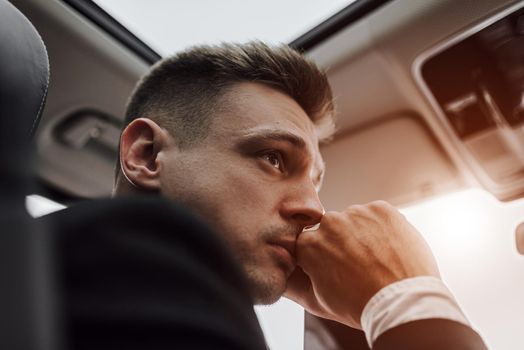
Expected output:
(24, 77)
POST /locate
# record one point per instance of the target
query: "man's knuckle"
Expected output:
(354, 210)
(383, 208)
(330, 220)
(380, 205)
(305, 239)
(329, 215)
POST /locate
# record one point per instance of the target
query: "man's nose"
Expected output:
(303, 206)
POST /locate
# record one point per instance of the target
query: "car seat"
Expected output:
(25, 322)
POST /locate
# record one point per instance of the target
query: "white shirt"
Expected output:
(409, 300)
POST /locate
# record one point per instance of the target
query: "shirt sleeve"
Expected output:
(409, 300)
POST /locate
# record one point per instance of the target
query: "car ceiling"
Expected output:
(390, 143)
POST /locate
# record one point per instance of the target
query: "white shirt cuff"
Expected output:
(409, 300)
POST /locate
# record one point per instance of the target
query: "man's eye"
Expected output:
(275, 159)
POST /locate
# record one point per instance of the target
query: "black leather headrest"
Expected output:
(24, 78)
(24, 70)
(24, 75)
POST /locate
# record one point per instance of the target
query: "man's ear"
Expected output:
(140, 143)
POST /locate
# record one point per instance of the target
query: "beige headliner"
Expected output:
(385, 121)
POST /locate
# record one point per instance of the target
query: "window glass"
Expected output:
(170, 26)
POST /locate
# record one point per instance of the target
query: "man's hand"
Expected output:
(352, 256)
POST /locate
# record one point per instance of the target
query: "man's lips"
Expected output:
(288, 245)
(286, 250)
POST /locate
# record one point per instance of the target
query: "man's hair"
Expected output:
(184, 92)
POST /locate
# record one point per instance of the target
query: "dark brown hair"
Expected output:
(182, 93)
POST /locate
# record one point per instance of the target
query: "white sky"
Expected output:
(169, 25)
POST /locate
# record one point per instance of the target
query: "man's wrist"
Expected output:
(411, 299)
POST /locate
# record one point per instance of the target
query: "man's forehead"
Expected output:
(254, 105)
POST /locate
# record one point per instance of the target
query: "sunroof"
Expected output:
(170, 26)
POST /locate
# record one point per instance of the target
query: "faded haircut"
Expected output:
(184, 92)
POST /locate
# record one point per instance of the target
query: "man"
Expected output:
(232, 133)
(216, 130)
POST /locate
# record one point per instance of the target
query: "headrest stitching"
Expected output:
(42, 101)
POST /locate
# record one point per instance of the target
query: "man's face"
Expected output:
(255, 179)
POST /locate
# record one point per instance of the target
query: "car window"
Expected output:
(170, 26)
(38, 205)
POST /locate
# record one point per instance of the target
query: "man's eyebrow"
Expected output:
(261, 136)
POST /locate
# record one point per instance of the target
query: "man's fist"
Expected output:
(352, 256)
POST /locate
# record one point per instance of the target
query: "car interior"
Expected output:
(430, 117)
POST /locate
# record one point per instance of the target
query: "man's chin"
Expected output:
(266, 299)
(267, 290)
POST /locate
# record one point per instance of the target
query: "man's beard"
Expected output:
(266, 288)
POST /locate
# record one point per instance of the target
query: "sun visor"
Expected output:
(395, 158)
(476, 83)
